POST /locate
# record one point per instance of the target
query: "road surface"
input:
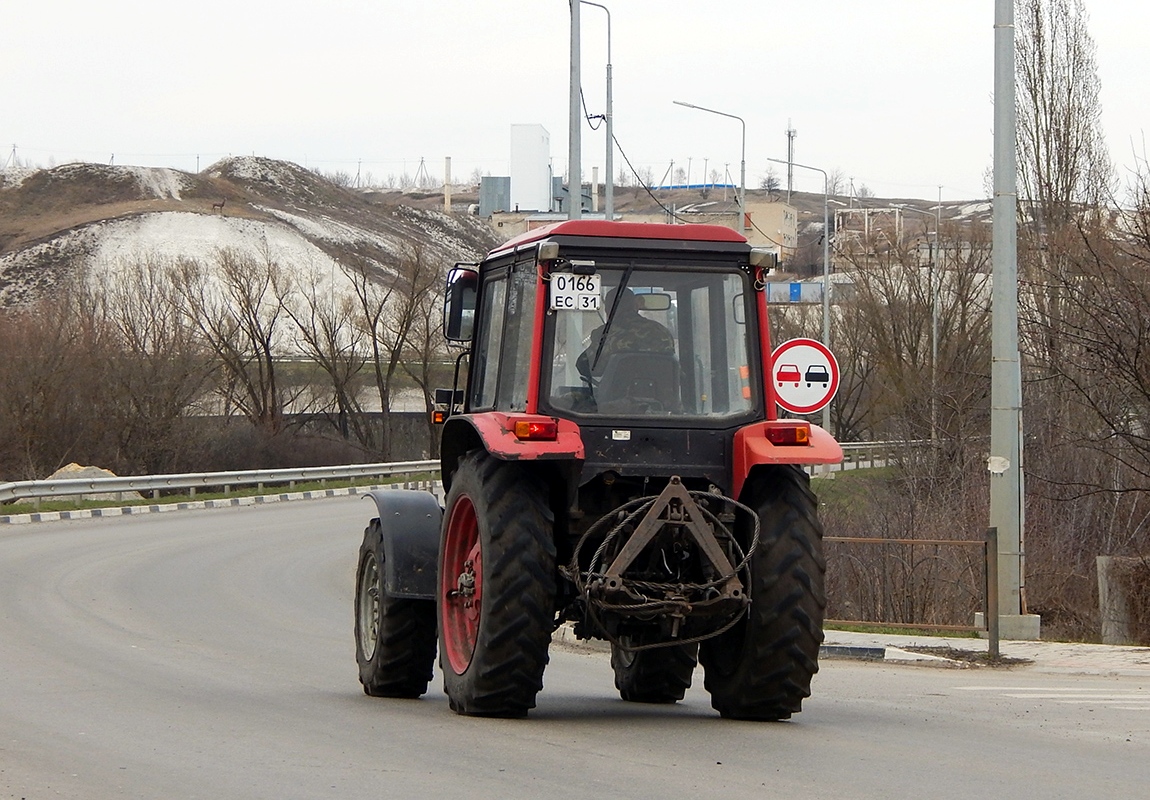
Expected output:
(209, 654)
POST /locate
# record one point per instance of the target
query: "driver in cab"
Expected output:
(625, 331)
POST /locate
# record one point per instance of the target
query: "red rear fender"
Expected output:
(497, 431)
(752, 447)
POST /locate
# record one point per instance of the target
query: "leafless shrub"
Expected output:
(54, 403)
(919, 583)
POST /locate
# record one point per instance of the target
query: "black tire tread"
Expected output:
(762, 668)
(404, 656)
(659, 675)
(519, 585)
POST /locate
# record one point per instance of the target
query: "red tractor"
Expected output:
(614, 460)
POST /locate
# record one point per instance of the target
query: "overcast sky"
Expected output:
(894, 93)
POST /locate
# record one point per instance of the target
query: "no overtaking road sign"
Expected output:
(805, 374)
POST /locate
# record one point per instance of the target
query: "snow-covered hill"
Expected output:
(57, 222)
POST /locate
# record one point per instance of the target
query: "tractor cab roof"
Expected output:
(655, 235)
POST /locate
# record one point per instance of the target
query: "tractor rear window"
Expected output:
(663, 343)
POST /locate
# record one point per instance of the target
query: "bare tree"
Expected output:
(769, 182)
(389, 302)
(885, 338)
(327, 333)
(426, 345)
(161, 368)
(836, 181)
(1062, 156)
(238, 309)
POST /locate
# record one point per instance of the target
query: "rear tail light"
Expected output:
(789, 433)
(536, 430)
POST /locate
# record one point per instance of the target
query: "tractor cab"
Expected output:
(650, 339)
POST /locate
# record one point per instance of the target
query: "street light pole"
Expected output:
(1005, 462)
(742, 163)
(574, 126)
(609, 182)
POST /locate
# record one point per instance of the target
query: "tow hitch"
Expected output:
(668, 569)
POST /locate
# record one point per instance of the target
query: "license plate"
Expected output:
(575, 292)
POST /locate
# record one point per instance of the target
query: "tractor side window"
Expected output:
(515, 368)
(487, 344)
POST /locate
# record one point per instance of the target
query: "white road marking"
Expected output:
(1070, 695)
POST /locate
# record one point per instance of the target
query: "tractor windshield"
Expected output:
(663, 343)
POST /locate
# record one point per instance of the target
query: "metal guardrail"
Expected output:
(868, 455)
(65, 487)
(856, 455)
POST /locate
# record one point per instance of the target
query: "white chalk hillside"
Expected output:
(55, 223)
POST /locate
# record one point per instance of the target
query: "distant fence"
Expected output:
(924, 584)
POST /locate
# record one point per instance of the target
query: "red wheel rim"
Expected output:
(461, 585)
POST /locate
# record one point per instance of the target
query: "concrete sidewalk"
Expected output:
(1069, 658)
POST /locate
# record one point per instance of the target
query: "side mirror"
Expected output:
(459, 303)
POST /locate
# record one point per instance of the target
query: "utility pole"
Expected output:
(575, 125)
(1005, 461)
(447, 185)
(608, 183)
(791, 134)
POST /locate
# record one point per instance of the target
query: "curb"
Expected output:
(193, 505)
(853, 652)
(564, 636)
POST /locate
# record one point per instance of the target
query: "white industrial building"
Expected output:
(530, 168)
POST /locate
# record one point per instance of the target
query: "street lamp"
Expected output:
(742, 164)
(826, 265)
(609, 182)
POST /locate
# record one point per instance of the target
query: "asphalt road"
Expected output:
(209, 654)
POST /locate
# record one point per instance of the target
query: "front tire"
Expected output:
(394, 637)
(762, 668)
(659, 675)
(497, 585)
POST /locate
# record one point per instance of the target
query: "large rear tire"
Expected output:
(497, 586)
(394, 637)
(761, 669)
(660, 675)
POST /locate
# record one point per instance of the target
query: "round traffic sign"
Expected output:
(805, 375)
